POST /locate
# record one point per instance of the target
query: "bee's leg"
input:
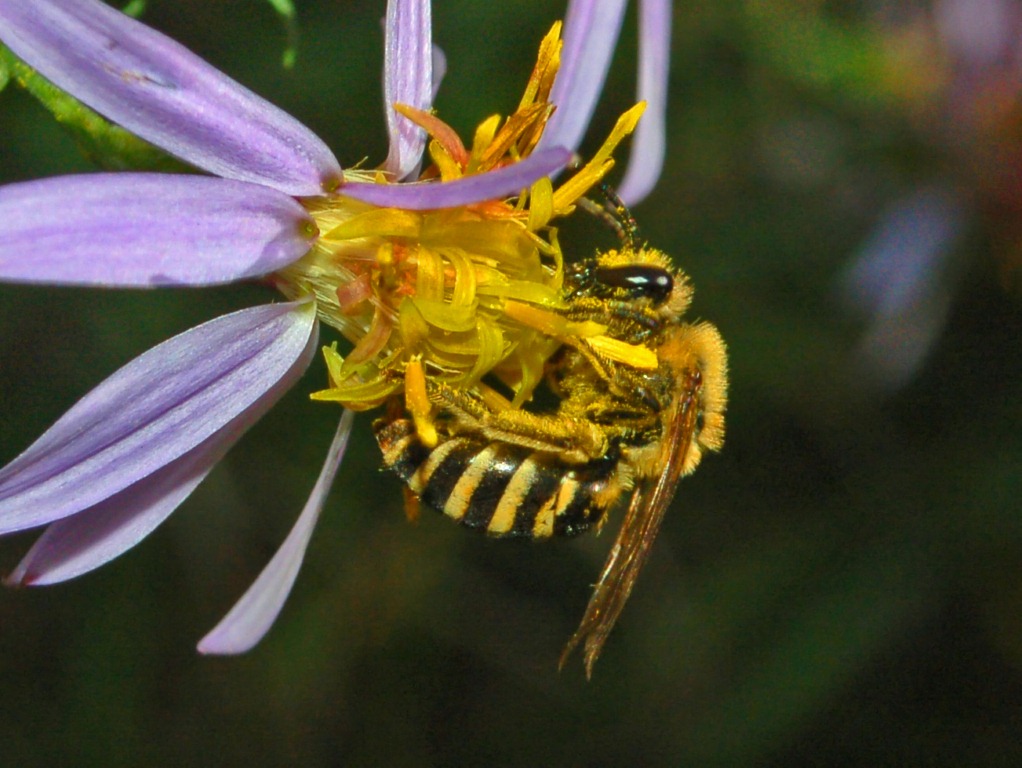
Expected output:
(467, 405)
(411, 504)
(624, 382)
(576, 440)
(640, 322)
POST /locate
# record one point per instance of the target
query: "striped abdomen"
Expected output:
(504, 489)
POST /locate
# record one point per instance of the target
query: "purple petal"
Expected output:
(161, 91)
(650, 139)
(87, 540)
(902, 280)
(254, 614)
(494, 185)
(906, 254)
(154, 410)
(591, 29)
(439, 70)
(407, 79)
(135, 229)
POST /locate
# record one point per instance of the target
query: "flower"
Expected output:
(384, 260)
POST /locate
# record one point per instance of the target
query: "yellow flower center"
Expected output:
(436, 286)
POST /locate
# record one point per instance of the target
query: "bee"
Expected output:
(636, 407)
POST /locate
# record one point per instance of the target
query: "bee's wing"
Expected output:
(638, 530)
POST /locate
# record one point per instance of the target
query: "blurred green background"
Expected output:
(842, 586)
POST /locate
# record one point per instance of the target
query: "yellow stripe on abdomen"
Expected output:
(461, 497)
(514, 495)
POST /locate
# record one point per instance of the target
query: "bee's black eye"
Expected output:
(638, 280)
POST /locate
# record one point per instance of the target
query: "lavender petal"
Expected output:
(902, 280)
(162, 92)
(650, 140)
(591, 29)
(93, 537)
(254, 614)
(439, 70)
(407, 79)
(494, 185)
(154, 410)
(906, 255)
(147, 229)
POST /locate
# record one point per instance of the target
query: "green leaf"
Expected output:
(107, 145)
(135, 8)
(286, 10)
(835, 58)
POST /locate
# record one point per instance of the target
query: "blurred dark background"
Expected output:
(842, 586)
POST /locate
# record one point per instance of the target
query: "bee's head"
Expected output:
(639, 274)
(637, 281)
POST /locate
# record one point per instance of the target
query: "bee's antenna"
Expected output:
(616, 214)
(628, 229)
